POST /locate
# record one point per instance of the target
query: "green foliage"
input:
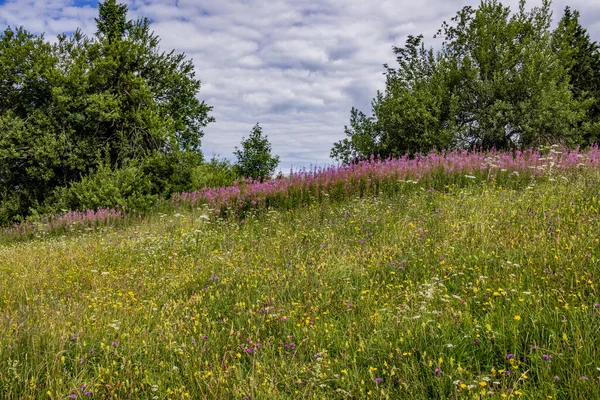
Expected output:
(67, 105)
(170, 173)
(127, 186)
(497, 82)
(511, 87)
(215, 173)
(412, 116)
(581, 58)
(137, 185)
(254, 159)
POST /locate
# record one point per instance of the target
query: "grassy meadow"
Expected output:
(467, 288)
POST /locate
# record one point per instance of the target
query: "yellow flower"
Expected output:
(517, 317)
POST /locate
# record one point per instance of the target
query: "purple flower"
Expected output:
(534, 347)
(437, 371)
(73, 396)
(585, 378)
(477, 342)
(546, 357)
(556, 378)
(87, 393)
(115, 344)
(378, 380)
(509, 356)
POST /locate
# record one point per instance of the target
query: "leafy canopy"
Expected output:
(254, 159)
(500, 80)
(69, 107)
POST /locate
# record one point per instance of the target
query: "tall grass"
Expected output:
(375, 176)
(338, 183)
(476, 290)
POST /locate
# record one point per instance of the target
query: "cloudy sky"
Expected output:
(295, 66)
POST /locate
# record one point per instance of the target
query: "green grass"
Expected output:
(420, 294)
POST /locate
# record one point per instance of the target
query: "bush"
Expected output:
(214, 173)
(170, 173)
(106, 187)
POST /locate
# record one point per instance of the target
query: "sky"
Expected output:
(296, 66)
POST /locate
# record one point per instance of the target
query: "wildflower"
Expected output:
(517, 317)
(477, 342)
(115, 344)
(378, 380)
(556, 378)
(546, 357)
(509, 356)
(437, 371)
(585, 378)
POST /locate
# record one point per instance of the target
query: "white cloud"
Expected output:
(297, 67)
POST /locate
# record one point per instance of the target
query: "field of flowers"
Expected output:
(369, 177)
(474, 282)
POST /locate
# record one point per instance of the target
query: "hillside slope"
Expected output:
(465, 292)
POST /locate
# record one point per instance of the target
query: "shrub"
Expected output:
(214, 173)
(107, 187)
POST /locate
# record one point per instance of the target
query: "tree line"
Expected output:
(499, 80)
(111, 119)
(89, 122)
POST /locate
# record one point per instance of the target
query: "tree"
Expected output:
(410, 117)
(67, 108)
(254, 159)
(581, 58)
(496, 82)
(511, 88)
